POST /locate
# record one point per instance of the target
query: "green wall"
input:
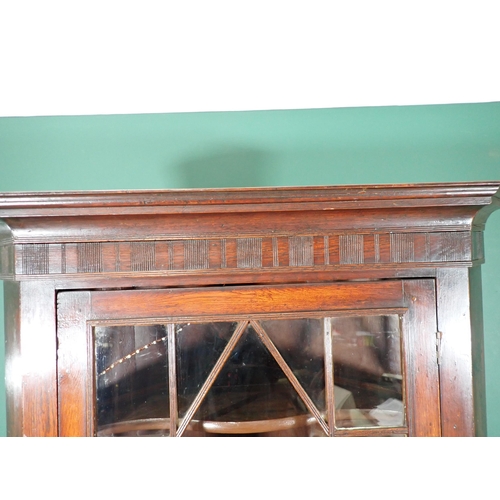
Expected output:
(268, 148)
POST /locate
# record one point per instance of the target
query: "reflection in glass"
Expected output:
(132, 377)
(198, 347)
(252, 395)
(264, 378)
(367, 364)
(301, 343)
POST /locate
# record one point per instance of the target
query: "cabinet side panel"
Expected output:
(478, 365)
(13, 374)
(31, 359)
(462, 358)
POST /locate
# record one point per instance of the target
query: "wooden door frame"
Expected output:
(79, 312)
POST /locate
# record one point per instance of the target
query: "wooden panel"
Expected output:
(35, 259)
(402, 247)
(247, 224)
(320, 250)
(241, 300)
(89, 257)
(198, 256)
(110, 257)
(301, 251)
(422, 374)
(462, 362)
(478, 246)
(477, 344)
(450, 247)
(351, 249)
(75, 369)
(143, 256)
(268, 257)
(282, 252)
(39, 353)
(31, 359)
(371, 248)
(419, 328)
(249, 252)
(13, 360)
(7, 263)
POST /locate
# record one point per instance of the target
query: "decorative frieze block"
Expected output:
(35, 259)
(89, 257)
(142, 256)
(301, 251)
(196, 254)
(249, 253)
(259, 253)
(351, 249)
(403, 248)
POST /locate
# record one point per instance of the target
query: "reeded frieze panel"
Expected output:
(196, 254)
(403, 248)
(89, 257)
(351, 249)
(301, 251)
(142, 256)
(35, 259)
(249, 252)
(255, 253)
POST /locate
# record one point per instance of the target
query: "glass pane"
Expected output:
(251, 396)
(301, 343)
(271, 381)
(199, 346)
(367, 371)
(132, 385)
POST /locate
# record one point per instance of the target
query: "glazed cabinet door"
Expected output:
(290, 360)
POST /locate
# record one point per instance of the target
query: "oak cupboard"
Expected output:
(306, 311)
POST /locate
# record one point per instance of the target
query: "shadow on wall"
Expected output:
(226, 167)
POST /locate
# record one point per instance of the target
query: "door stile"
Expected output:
(329, 384)
(75, 364)
(421, 365)
(172, 378)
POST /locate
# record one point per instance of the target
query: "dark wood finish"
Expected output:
(264, 242)
(75, 368)
(204, 232)
(461, 352)
(413, 300)
(419, 347)
(31, 359)
(235, 302)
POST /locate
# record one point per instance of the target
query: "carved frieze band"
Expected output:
(301, 251)
(35, 259)
(89, 257)
(241, 253)
(351, 249)
(142, 256)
